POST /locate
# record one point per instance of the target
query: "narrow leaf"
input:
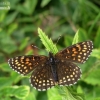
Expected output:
(50, 47)
(75, 40)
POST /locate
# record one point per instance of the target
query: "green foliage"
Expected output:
(74, 20)
(96, 53)
(19, 92)
(44, 2)
(93, 78)
(47, 42)
(97, 39)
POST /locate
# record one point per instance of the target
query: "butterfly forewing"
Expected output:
(26, 64)
(78, 53)
(42, 79)
(68, 73)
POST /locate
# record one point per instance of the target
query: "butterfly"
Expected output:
(59, 69)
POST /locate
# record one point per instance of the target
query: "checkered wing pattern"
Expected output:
(42, 78)
(26, 64)
(44, 68)
(78, 53)
(68, 73)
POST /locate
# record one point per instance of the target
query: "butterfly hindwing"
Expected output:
(68, 73)
(42, 79)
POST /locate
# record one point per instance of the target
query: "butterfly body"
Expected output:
(53, 66)
(54, 69)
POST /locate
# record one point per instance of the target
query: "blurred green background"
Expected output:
(18, 30)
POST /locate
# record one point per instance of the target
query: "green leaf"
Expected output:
(12, 28)
(28, 28)
(7, 81)
(5, 67)
(53, 94)
(9, 18)
(93, 78)
(97, 98)
(44, 2)
(68, 40)
(7, 44)
(19, 92)
(94, 93)
(2, 15)
(50, 47)
(28, 7)
(80, 36)
(4, 81)
(75, 40)
(66, 94)
(62, 93)
(97, 39)
(31, 96)
(96, 53)
(79, 89)
(83, 35)
(23, 44)
(97, 18)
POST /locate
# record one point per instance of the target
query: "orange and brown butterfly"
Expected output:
(59, 69)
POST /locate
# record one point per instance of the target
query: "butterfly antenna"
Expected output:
(35, 47)
(58, 39)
